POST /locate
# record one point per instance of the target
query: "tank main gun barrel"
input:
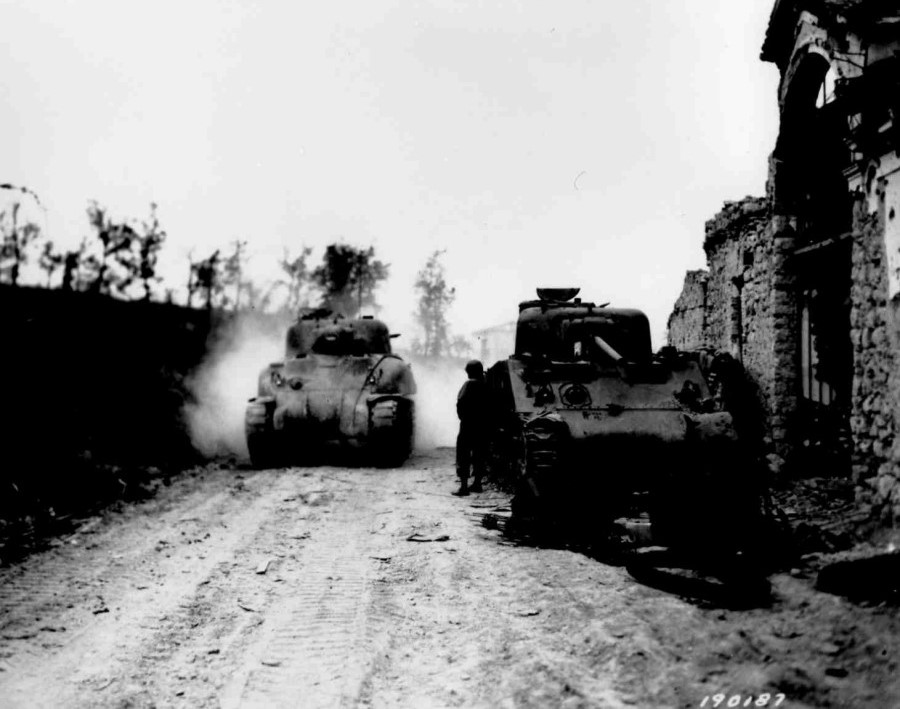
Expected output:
(607, 348)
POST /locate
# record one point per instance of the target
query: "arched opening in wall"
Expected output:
(813, 150)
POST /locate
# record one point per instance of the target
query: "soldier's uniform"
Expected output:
(471, 443)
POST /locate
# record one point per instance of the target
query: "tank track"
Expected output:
(263, 443)
(390, 432)
(263, 449)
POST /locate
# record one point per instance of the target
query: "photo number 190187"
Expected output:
(739, 700)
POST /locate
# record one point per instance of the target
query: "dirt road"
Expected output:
(338, 587)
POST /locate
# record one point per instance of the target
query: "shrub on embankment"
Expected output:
(95, 390)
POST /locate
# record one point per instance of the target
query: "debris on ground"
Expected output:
(422, 538)
(263, 566)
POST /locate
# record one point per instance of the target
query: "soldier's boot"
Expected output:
(476, 485)
(463, 487)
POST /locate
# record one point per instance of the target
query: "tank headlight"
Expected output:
(544, 395)
(277, 379)
(575, 395)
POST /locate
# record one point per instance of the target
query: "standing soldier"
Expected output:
(471, 443)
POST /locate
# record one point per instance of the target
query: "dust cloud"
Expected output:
(438, 382)
(245, 345)
(228, 377)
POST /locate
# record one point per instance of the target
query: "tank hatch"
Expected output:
(557, 294)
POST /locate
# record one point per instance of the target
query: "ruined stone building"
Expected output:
(802, 284)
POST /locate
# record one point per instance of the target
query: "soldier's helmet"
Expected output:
(474, 369)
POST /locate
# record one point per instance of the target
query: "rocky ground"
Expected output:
(338, 587)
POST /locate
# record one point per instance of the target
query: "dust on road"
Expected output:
(343, 587)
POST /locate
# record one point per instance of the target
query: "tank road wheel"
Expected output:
(263, 443)
(391, 432)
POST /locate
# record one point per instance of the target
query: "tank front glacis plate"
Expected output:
(328, 398)
(323, 395)
(603, 402)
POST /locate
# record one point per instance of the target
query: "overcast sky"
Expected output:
(565, 143)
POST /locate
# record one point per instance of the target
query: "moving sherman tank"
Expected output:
(339, 385)
(589, 423)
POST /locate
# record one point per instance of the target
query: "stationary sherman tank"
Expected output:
(591, 426)
(340, 386)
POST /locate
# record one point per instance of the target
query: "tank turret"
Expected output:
(339, 384)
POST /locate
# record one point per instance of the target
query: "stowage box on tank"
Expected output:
(586, 416)
(339, 384)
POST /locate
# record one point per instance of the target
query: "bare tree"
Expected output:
(207, 278)
(192, 286)
(297, 278)
(435, 297)
(348, 278)
(16, 238)
(50, 260)
(232, 274)
(149, 243)
(257, 297)
(75, 277)
(112, 269)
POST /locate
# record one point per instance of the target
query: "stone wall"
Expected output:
(736, 295)
(887, 482)
(738, 254)
(687, 323)
(875, 321)
(872, 415)
(783, 322)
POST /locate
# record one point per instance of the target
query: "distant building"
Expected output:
(494, 343)
(803, 285)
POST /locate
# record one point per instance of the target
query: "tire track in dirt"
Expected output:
(315, 649)
(205, 639)
(165, 601)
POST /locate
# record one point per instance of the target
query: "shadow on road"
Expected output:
(698, 578)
